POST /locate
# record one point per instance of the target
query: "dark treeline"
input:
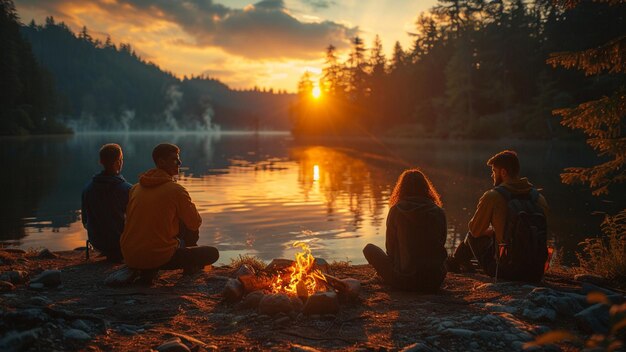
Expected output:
(28, 103)
(108, 86)
(477, 69)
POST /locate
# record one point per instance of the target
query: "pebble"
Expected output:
(49, 278)
(75, 334)
(321, 303)
(296, 304)
(594, 319)
(46, 254)
(18, 341)
(459, 332)
(253, 299)
(245, 270)
(233, 290)
(540, 314)
(81, 325)
(275, 303)
(173, 345)
(39, 301)
(36, 286)
(487, 335)
(14, 277)
(121, 277)
(417, 347)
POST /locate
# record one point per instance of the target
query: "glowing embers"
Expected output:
(304, 279)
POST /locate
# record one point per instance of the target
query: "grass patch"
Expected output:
(250, 260)
(606, 255)
(340, 264)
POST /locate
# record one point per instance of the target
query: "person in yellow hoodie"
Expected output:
(488, 225)
(162, 222)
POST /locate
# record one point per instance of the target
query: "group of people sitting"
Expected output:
(507, 235)
(153, 225)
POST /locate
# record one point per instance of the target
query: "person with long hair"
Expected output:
(415, 237)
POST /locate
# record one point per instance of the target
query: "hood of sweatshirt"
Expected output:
(518, 186)
(154, 177)
(103, 178)
(415, 204)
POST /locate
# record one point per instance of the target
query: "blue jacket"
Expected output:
(103, 207)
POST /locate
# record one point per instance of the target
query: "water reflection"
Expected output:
(259, 193)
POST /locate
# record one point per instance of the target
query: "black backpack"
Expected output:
(524, 252)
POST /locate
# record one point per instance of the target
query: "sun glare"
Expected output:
(316, 92)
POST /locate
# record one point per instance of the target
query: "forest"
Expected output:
(476, 69)
(28, 103)
(62, 81)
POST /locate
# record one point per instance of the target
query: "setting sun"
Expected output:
(316, 92)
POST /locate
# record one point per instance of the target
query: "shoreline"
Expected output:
(470, 312)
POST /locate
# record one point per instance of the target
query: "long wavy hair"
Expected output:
(411, 183)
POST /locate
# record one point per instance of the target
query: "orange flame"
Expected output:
(304, 280)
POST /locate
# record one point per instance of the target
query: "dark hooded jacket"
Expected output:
(415, 241)
(104, 203)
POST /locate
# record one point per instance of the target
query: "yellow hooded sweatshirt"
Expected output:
(492, 208)
(155, 208)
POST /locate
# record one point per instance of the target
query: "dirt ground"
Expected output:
(139, 318)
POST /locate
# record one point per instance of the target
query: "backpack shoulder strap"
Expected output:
(504, 192)
(534, 195)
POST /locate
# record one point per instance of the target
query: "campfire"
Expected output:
(304, 278)
(304, 284)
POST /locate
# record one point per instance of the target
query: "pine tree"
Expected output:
(331, 74)
(602, 120)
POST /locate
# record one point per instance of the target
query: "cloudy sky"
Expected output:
(267, 43)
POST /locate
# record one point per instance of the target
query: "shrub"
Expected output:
(252, 261)
(606, 255)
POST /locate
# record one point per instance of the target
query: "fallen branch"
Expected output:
(186, 337)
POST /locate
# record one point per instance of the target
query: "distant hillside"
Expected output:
(104, 86)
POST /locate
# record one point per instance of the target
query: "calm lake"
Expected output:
(259, 193)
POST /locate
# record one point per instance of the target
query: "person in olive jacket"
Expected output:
(415, 238)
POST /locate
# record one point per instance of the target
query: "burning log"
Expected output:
(347, 288)
(278, 265)
(253, 283)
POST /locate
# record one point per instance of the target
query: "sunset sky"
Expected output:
(269, 43)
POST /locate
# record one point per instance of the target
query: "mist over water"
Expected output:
(172, 119)
(257, 193)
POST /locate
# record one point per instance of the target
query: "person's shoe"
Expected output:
(147, 277)
(121, 277)
(454, 265)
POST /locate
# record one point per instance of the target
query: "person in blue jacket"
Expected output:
(104, 201)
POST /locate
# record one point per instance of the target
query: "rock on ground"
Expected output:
(321, 303)
(275, 303)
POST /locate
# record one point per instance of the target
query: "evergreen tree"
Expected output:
(603, 120)
(27, 102)
(357, 72)
(331, 74)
